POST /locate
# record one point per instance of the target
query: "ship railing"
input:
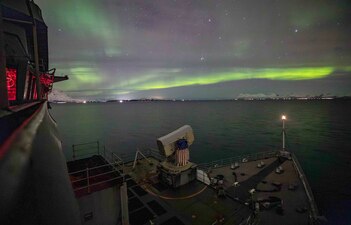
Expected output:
(84, 150)
(148, 152)
(237, 159)
(112, 170)
(92, 169)
(152, 152)
(118, 160)
(113, 159)
(90, 185)
(89, 149)
(90, 174)
(314, 214)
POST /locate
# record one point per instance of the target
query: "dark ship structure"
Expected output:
(34, 184)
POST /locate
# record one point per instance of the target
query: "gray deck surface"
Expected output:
(142, 208)
(193, 203)
(196, 203)
(292, 199)
(242, 191)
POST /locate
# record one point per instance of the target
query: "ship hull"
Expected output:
(35, 185)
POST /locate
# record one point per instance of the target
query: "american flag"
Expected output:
(182, 156)
(182, 153)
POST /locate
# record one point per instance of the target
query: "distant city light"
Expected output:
(120, 101)
(84, 102)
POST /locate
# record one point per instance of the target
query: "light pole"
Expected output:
(283, 119)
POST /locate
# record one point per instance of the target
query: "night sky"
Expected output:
(200, 49)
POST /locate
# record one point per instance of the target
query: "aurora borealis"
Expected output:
(199, 49)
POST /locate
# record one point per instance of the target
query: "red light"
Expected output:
(11, 78)
(46, 79)
(35, 95)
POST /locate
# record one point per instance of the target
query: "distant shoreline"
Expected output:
(213, 100)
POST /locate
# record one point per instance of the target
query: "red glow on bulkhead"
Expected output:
(46, 79)
(11, 79)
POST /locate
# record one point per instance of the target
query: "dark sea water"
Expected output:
(318, 132)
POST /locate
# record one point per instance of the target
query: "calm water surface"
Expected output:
(318, 132)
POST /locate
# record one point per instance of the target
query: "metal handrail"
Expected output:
(155, 153)
(97, 175)
(114, 160)
(88, 177)
(101, 182)
(93, 148)
(314, 209)
(148, 152)
(90, 168)
(84, 147)
(86, 143)
(228, 161)
(84, 154)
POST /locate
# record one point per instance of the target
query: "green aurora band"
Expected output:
(128, 47)
(85, 75)
(238, 74)
(171, 78)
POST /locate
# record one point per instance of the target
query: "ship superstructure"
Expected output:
(35, 187)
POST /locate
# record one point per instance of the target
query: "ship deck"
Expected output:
(279, 197)
(268, 184)
(197, 203)
(193, 203)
